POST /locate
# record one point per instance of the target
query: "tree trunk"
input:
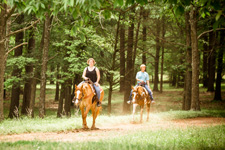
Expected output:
(44, 65)
(28, 82)
(188, 76)
(195, 105)
(162, 58)
(129, 69)
(212, 61)
(60, 105)
(205, 62)
(144, 33)
(219, 68)
(57, 84)
(111, 82)
(156, 80)
(3, 13)
(52, 68)
(122, 55)
(15, 96)
(67, 105)
(135, 46)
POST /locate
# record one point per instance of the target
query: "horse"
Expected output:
(140, 97)
(83, 97)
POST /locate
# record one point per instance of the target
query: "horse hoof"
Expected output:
(94, 128)
(85, 128)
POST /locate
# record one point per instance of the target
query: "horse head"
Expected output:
(78, 94)
(141, 91)
(134, 94)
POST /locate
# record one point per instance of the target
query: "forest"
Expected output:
(45, 45)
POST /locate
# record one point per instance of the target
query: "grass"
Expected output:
(53, 124)
(168, 107)
(191, 138)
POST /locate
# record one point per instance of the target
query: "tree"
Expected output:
(195, 104)
(156, 79)
(129, 68)
(47, 27)
(28, 81)
(188, 76)
(14, 105)
(219, 68)
(122, 53)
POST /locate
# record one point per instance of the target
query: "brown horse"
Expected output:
(83, 98)
(140, 97)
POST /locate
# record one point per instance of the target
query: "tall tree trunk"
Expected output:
(188, 76)
(28, 82)
(156, 80)
(60, 105)
(44, 65)
(212, 61)
(122, 55)
(144, 33)
(219, 68)
(57, 84)
(111, 82)
(129, 69)
(2, 55)
(37, 69)
(195, 104)
(52, 68)
(67, 105)
(205, 62)
(135, 46)
(162, 57)
(15, 96)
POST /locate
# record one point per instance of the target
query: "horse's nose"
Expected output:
(76, 102)
(73, 100)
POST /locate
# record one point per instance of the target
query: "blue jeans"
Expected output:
(146, 87)
(97, 89)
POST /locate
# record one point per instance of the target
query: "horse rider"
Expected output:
(91, 72)
(142, 78)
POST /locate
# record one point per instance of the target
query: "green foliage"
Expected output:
(20, 62)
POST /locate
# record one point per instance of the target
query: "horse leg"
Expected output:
(142, 107)
(83, 118)
(134, 109)
(94, 114)
(148, 110)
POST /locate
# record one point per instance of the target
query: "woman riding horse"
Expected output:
(91, 72)
(142, 78)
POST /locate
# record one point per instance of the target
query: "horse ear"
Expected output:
(75, 86)
(132, 87)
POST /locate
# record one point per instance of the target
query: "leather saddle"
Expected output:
(92, 88)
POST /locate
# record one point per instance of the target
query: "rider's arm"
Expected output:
(148, 85)
(84, 74)
(98, 75)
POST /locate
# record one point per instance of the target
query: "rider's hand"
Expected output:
(96, 83)
(85, 78)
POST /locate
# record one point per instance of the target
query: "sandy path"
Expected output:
(112, 131)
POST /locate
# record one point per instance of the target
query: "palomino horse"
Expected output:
(83, 97)
(140, 97)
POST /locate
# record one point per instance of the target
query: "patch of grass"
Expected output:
(191, 138)
(53, 124)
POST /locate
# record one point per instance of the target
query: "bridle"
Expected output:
(76, 100)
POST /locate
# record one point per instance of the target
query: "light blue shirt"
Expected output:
(142, 76)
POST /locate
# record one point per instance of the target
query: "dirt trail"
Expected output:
(112, 131)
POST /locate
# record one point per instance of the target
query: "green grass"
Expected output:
(191, 138)
(53, 124)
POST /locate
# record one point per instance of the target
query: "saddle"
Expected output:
(142, 84)
(92, 88)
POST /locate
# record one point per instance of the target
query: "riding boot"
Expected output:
(98, 103)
